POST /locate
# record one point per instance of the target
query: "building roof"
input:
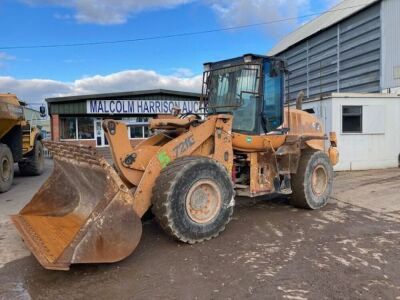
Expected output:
(343, 10)
(351, 96)
(123, 94)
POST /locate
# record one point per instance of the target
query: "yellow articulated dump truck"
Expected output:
(188, 173)
(19, 142)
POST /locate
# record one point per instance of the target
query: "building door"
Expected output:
(101, 140)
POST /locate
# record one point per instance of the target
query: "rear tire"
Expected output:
(33, 165)
(193, 199)
(6, 168)
(312, 184)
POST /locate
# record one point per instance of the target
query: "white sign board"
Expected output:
(140, 107)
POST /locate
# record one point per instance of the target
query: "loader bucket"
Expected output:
(83, 213)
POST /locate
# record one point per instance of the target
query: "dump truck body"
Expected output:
(20, 142)
(187, 173)
(11, 113)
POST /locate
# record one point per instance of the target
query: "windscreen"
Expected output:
(235, 90)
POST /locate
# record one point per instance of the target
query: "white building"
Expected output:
(367, 128)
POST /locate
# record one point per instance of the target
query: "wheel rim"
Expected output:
(5, 169)
(203, 201)
(319, 180)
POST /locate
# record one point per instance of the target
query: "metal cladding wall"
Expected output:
(390, 44)
(343, 58)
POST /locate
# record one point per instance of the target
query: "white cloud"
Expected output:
(183, 72)
(229, 12)
(33, 90)
(62, 16)
(107, 11)
(4, 57)
(243, 12)
(74, 61)
(36, 90)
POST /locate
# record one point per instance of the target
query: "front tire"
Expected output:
(33, 165)
(6, 168)
(193, 199)
(313, 183)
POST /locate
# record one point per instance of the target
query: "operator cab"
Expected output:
(250, 87)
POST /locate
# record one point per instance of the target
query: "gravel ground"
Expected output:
(270, 250)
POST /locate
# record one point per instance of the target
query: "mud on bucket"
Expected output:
(83, 213)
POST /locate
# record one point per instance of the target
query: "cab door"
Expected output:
(273, 98)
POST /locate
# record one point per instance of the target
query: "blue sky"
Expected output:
(174, 63)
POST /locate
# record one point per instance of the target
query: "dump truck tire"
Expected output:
(312, 184)
(193, 199)
(33, 165)
(6, 168)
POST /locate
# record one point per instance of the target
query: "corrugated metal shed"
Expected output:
(390, 44)
(336, 14)
(346, 57)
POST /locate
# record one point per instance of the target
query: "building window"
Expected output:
(138, 127)
(309, 110)
(85, 128)
(77, 128)
(136, 132)
(68, 128)
(352, 119)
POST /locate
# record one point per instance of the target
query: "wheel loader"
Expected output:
(188, 173)
(20, 142)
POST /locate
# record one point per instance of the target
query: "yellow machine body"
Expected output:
(89, 211)
(11, 115)
(19, 142)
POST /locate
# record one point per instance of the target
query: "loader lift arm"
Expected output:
(140, 166)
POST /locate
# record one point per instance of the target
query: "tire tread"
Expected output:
(299, 195)
(161, 206)
(30, 167)
(5, 150)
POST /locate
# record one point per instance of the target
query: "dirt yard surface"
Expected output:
(270, 250)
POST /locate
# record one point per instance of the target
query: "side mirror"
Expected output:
(175, 111)
(278, 67)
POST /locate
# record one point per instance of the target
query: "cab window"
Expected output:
(273, 99)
